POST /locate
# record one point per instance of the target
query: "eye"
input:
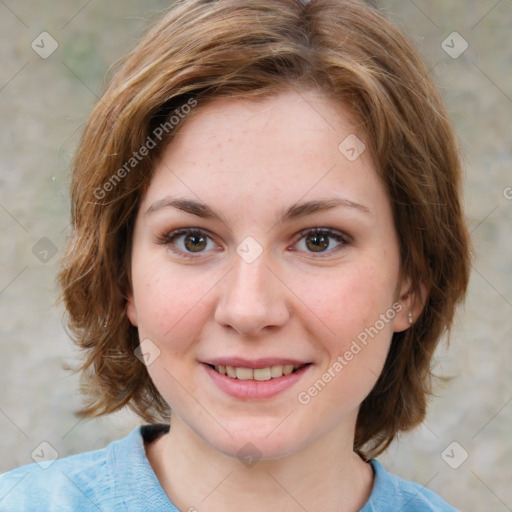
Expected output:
(187, 241)
(318, 240)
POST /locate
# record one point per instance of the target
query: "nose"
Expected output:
(252, 298)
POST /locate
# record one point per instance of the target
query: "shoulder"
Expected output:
(391, 492)
(76, 482)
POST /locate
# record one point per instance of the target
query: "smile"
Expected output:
(255, 380)
(259, 374)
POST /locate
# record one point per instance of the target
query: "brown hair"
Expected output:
(204, 49)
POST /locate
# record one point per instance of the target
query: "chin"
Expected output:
(258, 439)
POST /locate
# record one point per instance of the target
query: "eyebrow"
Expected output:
(296, 211)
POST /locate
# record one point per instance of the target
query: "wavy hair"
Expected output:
(200, 50)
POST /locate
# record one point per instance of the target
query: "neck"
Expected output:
(325, 476)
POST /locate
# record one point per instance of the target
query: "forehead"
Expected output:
(289, 145)
(293, 115)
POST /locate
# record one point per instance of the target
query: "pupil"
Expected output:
(197, 244)
(319, 241)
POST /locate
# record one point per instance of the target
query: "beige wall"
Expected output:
(43, 104)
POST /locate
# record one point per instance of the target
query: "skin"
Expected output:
(250, 160)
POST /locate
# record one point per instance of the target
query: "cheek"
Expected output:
(359, 314)
(171, 314)
(356, 299)
(360, 320)
(168, 305)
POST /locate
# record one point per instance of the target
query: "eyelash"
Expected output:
(169, 239)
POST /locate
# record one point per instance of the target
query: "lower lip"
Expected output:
(254, 389)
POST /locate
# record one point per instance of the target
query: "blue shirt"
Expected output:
(119, 477)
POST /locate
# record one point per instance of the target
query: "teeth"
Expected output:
(244, 373)
(276, 371)
(260, 374)
(288, 369)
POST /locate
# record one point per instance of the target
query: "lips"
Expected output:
(253, 379)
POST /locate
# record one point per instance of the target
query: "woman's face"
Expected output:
(292, 263)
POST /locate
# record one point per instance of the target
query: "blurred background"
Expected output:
(54, 57)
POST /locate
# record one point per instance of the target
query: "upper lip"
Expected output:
(263, 362)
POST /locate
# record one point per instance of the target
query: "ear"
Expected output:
(412, 298)
(131, 311)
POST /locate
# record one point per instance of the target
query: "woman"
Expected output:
(268, 243)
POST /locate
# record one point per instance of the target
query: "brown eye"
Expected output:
(317, 242)
(194, 242)
(320, 241)
(186, 242)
